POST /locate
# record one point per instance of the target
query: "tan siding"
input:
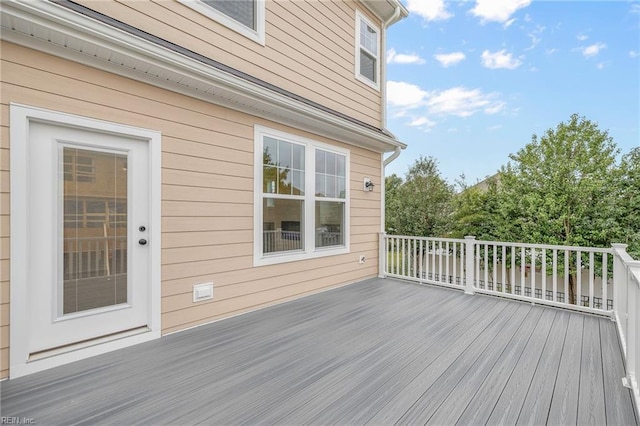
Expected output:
(207, 190)
(309, 47)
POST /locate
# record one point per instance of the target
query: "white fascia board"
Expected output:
(254, 99)
(385, 10)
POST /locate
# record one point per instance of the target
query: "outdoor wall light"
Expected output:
(368, 185)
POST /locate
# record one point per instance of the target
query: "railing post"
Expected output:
(633, 327)
(619, 280)
(469, 273)
(382, 254)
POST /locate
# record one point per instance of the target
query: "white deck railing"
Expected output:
(94, 257)
(626, 311)
(604, 281)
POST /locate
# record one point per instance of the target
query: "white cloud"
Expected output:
(509, 23)
(592, 50)
(419, 107)
(601, 65)
(404, 95)
(422, 122)
(582, 37)
(497, 10)
(431, 10)
(500, 59)
(551, 51)
(494, 128)
(634, 53)
(448, 59)
(403, 58)
(463, 102)
(534, 35)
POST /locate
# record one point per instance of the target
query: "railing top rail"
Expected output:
(547, 246)
(450, 240)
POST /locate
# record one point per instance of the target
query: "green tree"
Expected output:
(557, 189)
(628, 202)
(474, 211)
(420, 205)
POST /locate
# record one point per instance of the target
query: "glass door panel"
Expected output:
(94, 261)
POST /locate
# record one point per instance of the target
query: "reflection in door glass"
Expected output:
(95, 230)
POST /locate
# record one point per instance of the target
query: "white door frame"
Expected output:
(20, 117)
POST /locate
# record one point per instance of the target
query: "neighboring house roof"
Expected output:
(75, 32)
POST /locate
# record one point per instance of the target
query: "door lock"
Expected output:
(142, 229)
(142, 242)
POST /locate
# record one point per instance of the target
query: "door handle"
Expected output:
(142, 242)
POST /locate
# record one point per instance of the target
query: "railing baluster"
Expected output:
(440, 261)
(504, 269)
(567, 272)
(513, 269)
(605, 282)
(591, 292)
(447, 258)
(495, 268)
(523, 267)
(455, 264)
(544, 274)
(554, 271)
(533, 272)
(579, 276)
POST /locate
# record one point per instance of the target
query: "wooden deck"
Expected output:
(378, 352)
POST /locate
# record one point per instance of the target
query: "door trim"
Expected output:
(20, 117)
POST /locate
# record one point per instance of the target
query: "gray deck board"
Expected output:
(536, 405)
(377, 352)
(591, 409)
(616, 406)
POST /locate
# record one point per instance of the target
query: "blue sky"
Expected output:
(469, 82)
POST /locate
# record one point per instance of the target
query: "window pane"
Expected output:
(94, 261)
(284, 154)
(288, 225)
(243, 11)
(329, 224)
(367, 66)
(340, 165)
(331, 163)
(320, 161)
(270, 151)
(269, 179)
(298, 157)
(331, 187)
(341, 187)
(321, 187)
(298, 183)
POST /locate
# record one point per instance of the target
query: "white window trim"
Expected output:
(309, 250)
(359, 18)
(257, 35)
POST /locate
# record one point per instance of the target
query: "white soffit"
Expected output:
(59, 31)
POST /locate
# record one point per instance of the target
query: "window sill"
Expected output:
(286, 257)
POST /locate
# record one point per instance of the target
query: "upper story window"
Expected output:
(247, 17)
(301, 205)
(367, 51)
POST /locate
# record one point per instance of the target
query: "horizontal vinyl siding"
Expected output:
(207, 191)
(309, 47)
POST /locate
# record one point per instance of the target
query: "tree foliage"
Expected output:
(556, 190)
(420, 204)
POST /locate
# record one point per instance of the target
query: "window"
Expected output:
(301, 208)
(367, 51)
(243, 16)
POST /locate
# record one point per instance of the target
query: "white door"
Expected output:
(88, 232)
